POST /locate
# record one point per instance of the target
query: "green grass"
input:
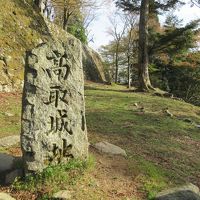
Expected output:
(10, 125)
(54, 178)
(162, 148)
(162, 151)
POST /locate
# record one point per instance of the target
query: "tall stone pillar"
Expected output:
(53, 112)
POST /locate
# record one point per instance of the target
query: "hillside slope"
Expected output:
(21, 29)
(163, 151)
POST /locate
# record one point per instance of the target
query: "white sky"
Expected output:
(101, 25)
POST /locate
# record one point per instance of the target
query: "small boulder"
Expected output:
(62, 195)
(187, 192)
(9, 141)
(6, 163)
(109, 148)
(198, 125)
(168, 113)
(8, 114)
(4, 196)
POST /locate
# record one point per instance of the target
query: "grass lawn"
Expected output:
(163, 151)
(10, 113)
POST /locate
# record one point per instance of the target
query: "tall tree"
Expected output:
(117, 31)
(144, 7)
(70, 8)
(143, 58)
(130, 41)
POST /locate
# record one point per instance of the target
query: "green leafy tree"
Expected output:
(144, 8)
(78, 31)
(174, 57)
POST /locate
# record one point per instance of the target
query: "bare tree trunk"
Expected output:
(129, 72)
(128, 59)
(143, 60)
(65, 18)
(116, 63)
(113, 67)
(66, 15)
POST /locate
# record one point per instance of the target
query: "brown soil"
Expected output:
(114, 177)
(113, 180)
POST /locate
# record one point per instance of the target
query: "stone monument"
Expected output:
(53, 111)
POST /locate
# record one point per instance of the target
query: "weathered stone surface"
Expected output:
(62, 195)
(109, 148)
(93, 66)
(53, 112)
(6, 162)
(4, 196)
(187, 192)
(9, 141)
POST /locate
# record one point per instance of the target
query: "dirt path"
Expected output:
(110, 179)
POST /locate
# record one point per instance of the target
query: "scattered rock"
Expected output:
(8, 114)
(188, 120)
(4, 196)
(139, 107)
(136, 105)
(62, 195)
(109, 148)
(187, 192)
(9, 141)
(198, 125)
(168, 112)
(10, 177)
(6, 163)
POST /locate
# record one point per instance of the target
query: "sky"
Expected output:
(99, 28)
